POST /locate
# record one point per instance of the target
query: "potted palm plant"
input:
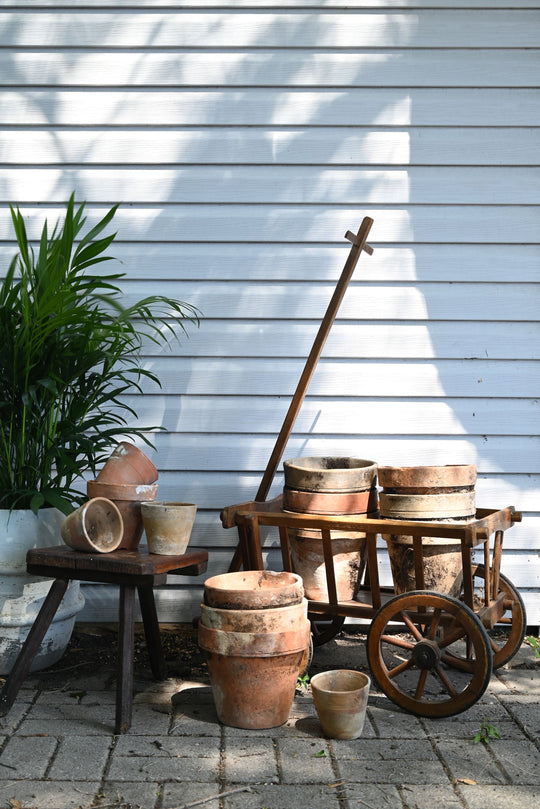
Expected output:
(71, 352)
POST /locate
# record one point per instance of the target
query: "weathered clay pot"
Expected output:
(96, 526)
(341, 699)
(127, 497)
(253, 590)
(128, 464)
(168, 526)
(427, 494)
(274, 619)
(307, 555)
(254, 674)
(332, 486)
(330, 474)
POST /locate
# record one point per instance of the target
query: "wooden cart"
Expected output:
(429, 652)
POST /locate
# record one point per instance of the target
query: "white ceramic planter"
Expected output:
(21, 595)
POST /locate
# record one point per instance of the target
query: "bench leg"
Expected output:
(31, 645)
(126, 643)
(151, 631)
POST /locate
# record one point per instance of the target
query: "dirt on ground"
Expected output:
(95, 646)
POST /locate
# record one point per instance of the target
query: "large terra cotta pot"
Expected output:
(21, 595)
(333, 486)
(427, 494)
(256, 639)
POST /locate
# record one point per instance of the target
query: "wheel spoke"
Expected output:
(459, 662)
(421, 684)
(434, 625)
(401, 643)
(445, 681)
(455, 635)
(399, 669)
(413, 629)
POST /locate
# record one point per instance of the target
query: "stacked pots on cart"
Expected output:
(329, 486)
(255, 631)
(427, 494)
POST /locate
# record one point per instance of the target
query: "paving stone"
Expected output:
(392, 723)
(450, 729)
(282, 796)
(420, 796)
(300, 762)
(134, 794)
(80, 757)
(250, 760)
(499, 797)
(48, 794)
(167, 746)
(164, 768)
(520, 760)
(182, 793)
(373, 796)
(526, 710)
(382, 749)
(26, 757)
(393, 771)
(468, 760)
(194, 712)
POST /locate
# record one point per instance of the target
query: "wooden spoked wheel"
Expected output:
(429, 653)
(324, 627)
(505, 643)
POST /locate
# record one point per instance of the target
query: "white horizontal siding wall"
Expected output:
(243, 138)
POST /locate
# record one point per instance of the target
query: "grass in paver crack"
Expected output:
(487, 731)
(534, 643)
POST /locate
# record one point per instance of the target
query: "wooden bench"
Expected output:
(130, 570)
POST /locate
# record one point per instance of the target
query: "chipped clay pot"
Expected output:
(127, 497)
(168, 526)
(334, 486)
(253, 590)
(94, 527)
(341, 698)
(128, 464)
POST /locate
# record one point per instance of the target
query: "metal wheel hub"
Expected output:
(426, 654)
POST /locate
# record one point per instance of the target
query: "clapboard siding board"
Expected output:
(243, 140)
(306, 185)
(248, 453)
(453, 378)
(276, 107)
(278, 4)
(442, 224)
(133, 28)
(270, 68)
(363, 301)
(248, 261)
(345, 145)
(360, 339)
(339, 415)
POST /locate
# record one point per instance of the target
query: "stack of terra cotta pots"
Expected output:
(332, 486)
(127, 479)
(255, 631)
(427, 494)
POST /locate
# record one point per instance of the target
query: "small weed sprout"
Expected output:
(487, 731)
(303, 682)
(534, 643)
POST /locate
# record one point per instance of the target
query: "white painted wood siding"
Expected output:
(243, 139)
